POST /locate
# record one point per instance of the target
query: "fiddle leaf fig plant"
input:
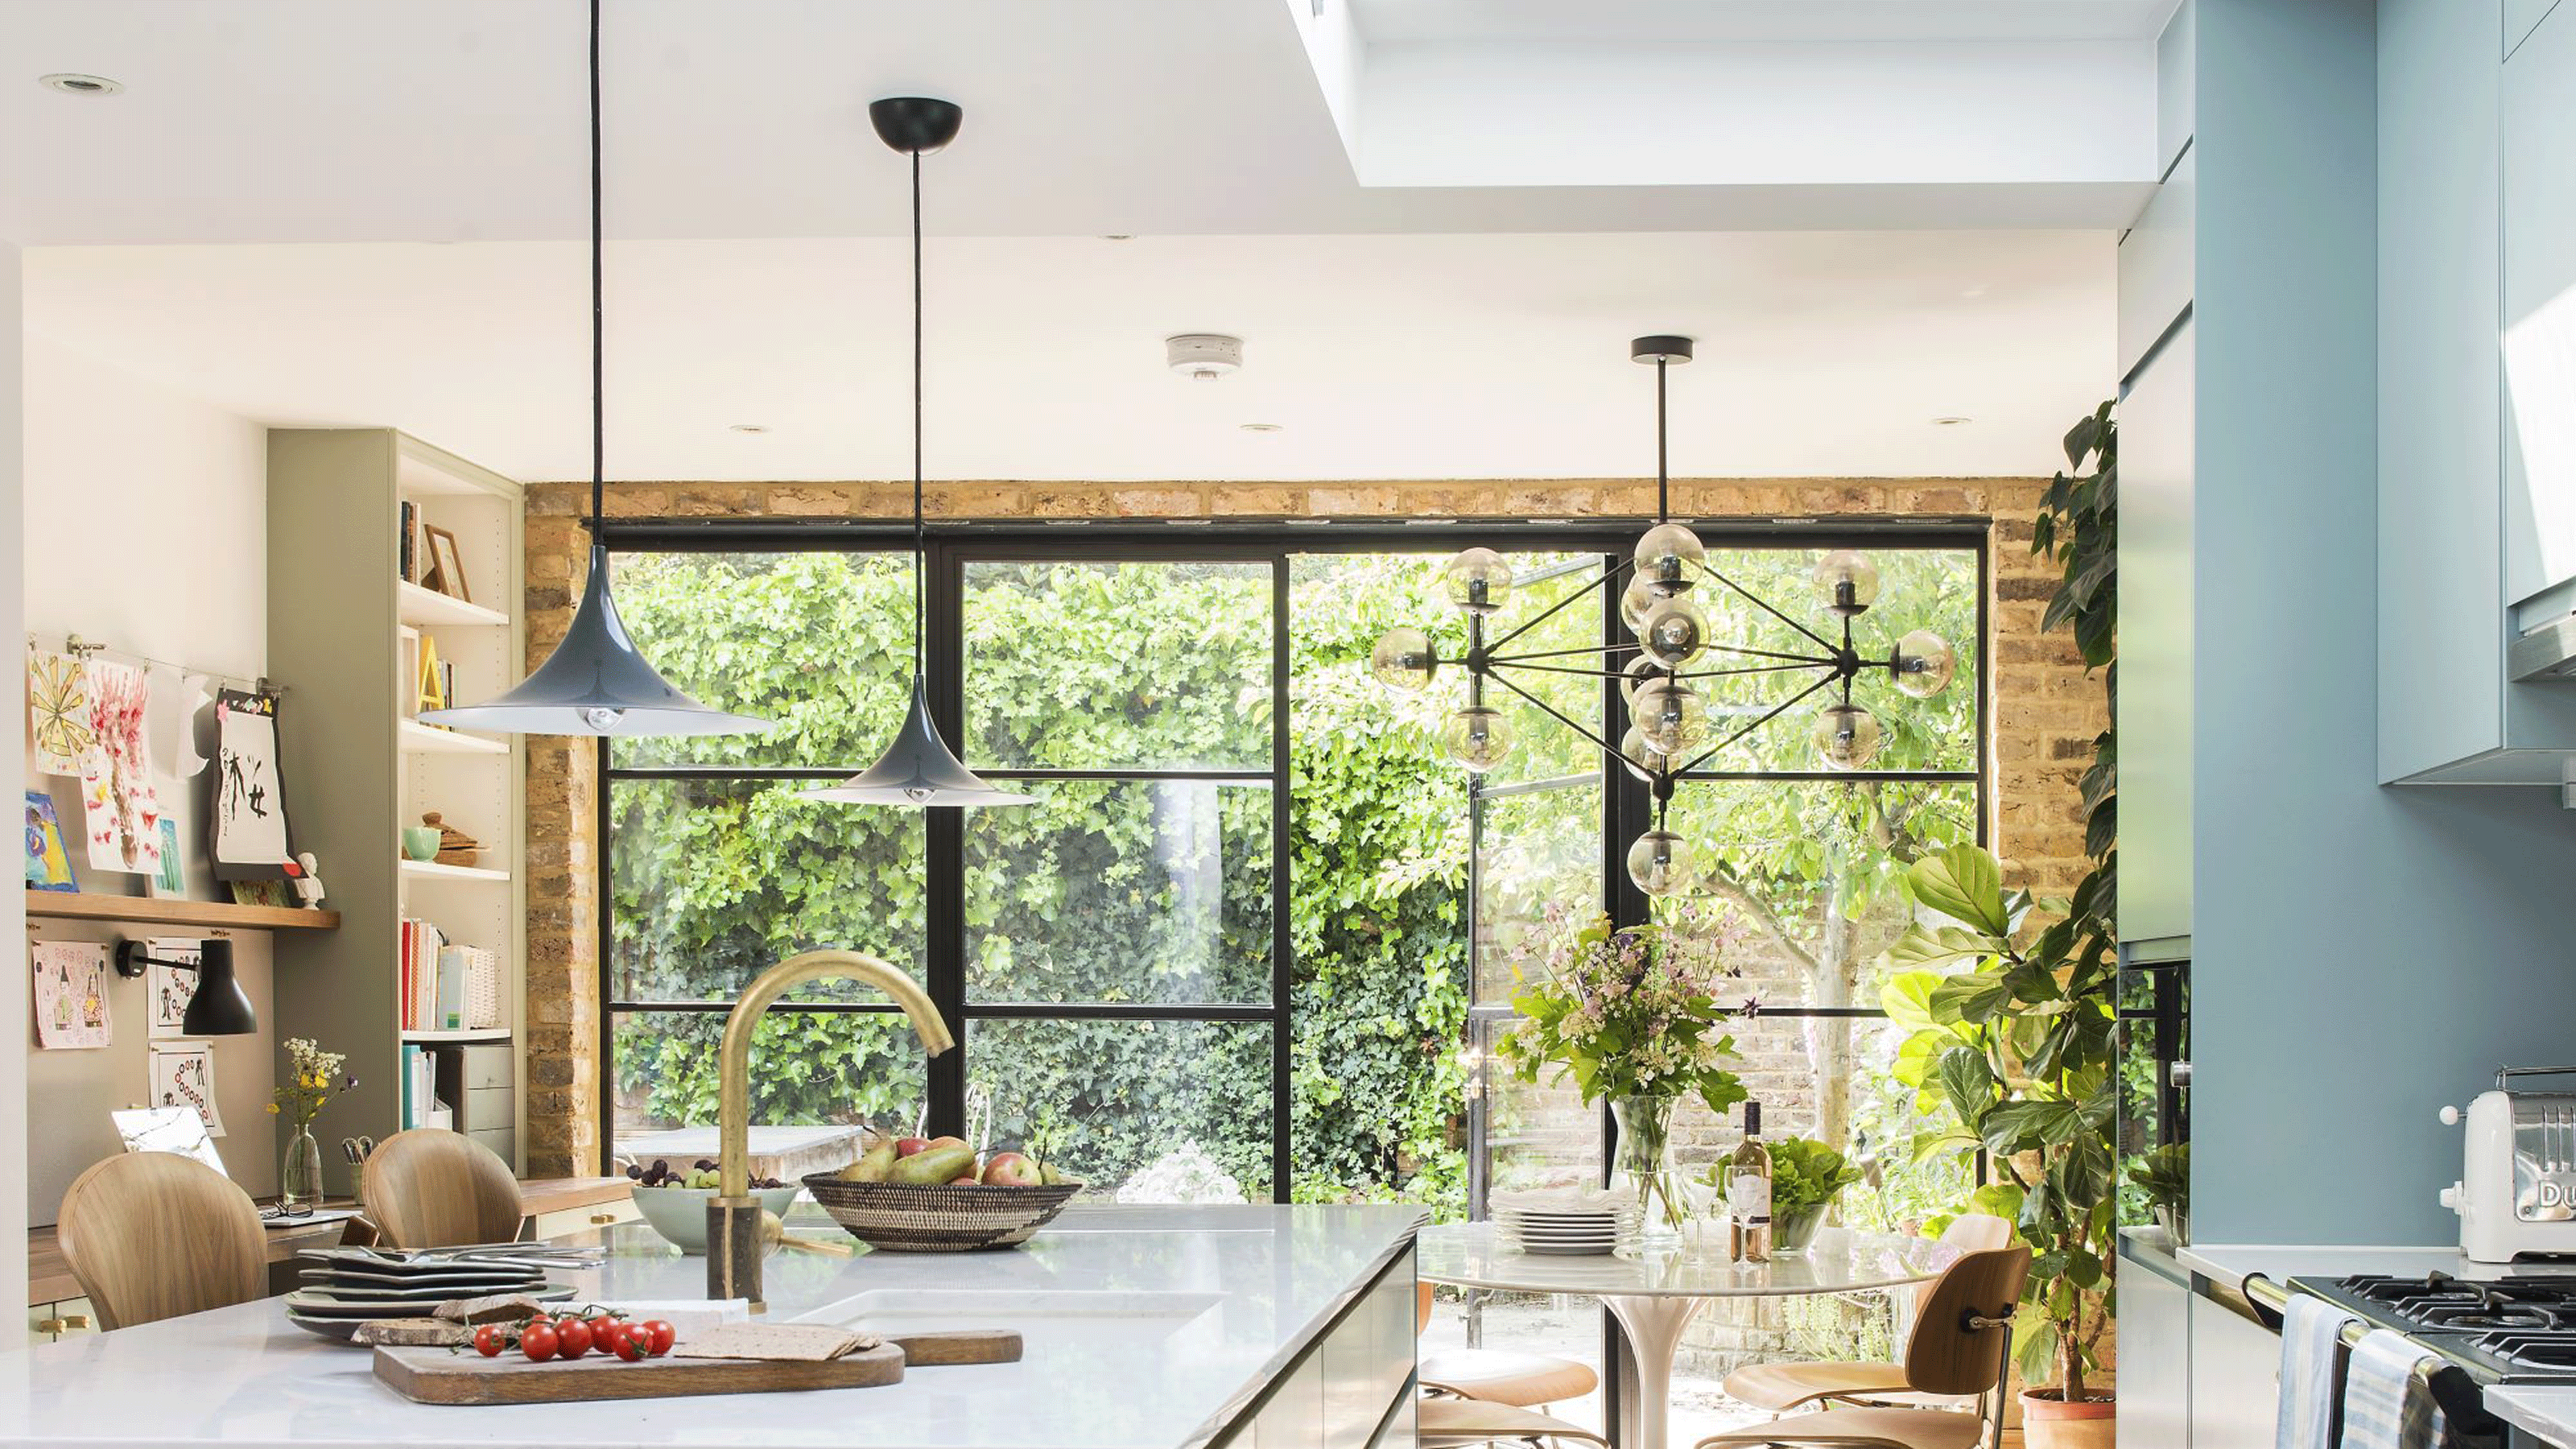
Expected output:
(2012, 1042)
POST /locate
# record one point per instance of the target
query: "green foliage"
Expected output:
(1805, 1174)
(1630, 1012)
(2164, 1175)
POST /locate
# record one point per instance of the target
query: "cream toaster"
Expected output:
(2516, 1196)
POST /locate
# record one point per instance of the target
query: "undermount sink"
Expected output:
(1044, 1317)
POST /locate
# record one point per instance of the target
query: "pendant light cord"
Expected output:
(1663, 476)
(598, 310)
(920, 535)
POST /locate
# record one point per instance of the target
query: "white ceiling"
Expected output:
(1707, 20)
(1384, 356)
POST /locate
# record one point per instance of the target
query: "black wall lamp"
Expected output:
(220, 1007)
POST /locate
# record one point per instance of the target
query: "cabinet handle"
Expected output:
(602, 1219)
(50, 1325)
(77, 1320)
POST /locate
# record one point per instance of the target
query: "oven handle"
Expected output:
(2463, 1404)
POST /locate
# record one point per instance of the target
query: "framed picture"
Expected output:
(446, 568)
(49, 866)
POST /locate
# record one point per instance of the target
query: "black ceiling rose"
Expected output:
(916, 124)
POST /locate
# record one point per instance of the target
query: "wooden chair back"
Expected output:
(1421, 1308)
(1969, 1233)
(153, 1235)
(431, 1188)
(1947, 1354)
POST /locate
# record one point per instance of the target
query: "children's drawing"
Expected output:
(71, 995)
(48, 867)
(58, 702)
(167, 990)
(250, 802)
(124, 824)
(183, 1075)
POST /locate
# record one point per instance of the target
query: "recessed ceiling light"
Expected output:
(71, 83)
(1952, 422)
(1263, 427)
(748, 427)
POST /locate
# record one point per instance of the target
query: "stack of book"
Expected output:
(440, 980)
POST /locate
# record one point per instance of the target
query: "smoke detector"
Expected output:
(1205, 356)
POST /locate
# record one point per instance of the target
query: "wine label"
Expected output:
(1749, 1198)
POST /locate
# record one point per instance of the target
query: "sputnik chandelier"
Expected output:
(1669, 732)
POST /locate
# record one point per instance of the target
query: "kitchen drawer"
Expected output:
(504, 1142)
(582, 1219)
(494, 1065)
(489, 1109)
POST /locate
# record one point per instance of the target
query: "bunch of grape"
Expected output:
(701, 1175)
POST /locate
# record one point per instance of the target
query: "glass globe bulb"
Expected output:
(1635, 675)
(1846, 736)
(1660, 863)
(1644, 760)
(1479, 581)
(1668, 558)
(1636, 602)
(1477, 737)
(1670, 717)
(1676, 633)
(1925, 664)
(1404, 660)
(1847, 581)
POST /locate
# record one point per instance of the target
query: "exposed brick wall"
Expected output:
(2043, 715)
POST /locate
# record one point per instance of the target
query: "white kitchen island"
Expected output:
(1145, 1327)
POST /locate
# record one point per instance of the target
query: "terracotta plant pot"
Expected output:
(2051, 1423)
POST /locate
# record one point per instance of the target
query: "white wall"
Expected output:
(13, 907)
(146, 531)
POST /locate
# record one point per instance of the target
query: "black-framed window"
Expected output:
(1138, 917)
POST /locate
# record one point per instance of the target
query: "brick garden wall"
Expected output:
(2043, 715)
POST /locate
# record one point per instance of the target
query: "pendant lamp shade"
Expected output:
(595, 683)
(918, 769)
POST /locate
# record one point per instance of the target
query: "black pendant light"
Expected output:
(918, 768)
(596, 682)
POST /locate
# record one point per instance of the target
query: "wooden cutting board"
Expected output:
(444, 1376)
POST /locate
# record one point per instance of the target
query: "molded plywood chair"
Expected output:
(1960, 1345)
(431, 1188)
(1454, 1423)
(1783, 1386)
(1451, 1417)
(1500, 1376)
(153, 1235)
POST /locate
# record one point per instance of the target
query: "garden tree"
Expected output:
(1818, 867)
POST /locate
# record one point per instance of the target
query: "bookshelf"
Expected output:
(348, 629)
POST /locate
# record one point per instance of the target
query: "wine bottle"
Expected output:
(1748, 1191)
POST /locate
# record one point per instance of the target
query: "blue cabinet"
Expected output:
(2157, 517)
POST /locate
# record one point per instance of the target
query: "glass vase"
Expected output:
(300, 1170)
(1641, 1165)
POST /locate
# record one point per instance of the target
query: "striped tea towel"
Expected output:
(2312, 1368)
(2385, 1404)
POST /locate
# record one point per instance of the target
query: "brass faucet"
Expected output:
(734, 1229)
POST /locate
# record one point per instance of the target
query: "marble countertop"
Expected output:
(2232, 1263)
(1221, 1298)
(2549, 1413)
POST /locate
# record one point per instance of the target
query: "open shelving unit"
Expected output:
(347, 629)
(144, 911)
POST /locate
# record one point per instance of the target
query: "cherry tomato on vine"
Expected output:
(627, 1344)
(538, 1341)
(489, 1340)
(660, 1334)
(572, 1337)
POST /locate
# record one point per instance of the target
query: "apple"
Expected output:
(947, 1142)
(963, 1180)
(906, 1146)
(1013, 1169)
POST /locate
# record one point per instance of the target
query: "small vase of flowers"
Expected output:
(1636, 1014)
(314, 1077)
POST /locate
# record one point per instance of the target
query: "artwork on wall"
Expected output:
(170, 720)
(271, 892)
(58, 707)
(172, 883)
(446, 569)
(167, 990)
(49, 867)
(183, 1075)
(71, 995)
(124, 812)
(250, 797)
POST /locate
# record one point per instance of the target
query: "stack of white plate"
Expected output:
(1574, 1232)
(358, 1285)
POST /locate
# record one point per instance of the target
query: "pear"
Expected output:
(933, 1165)
(873, 1167)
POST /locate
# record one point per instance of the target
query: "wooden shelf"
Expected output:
(421, 739)
(419, 606)
(457, 1038)
(83, 906)
(432, 870)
